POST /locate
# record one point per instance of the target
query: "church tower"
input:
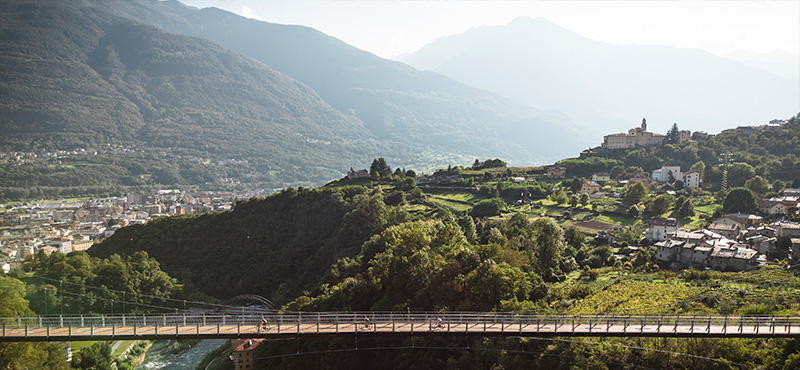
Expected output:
(644, 124)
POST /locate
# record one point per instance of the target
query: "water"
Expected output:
(159, 358)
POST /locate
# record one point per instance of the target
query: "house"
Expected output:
(748, 219)
(243, 350)
(730, 221)
(556, 172)
(788, 230)
(734, 258)
(643, 180)
(601, 177)
(771, 207)
(662, 229)
(691, 179)
(667, 174)
(684, 135)
(762, 244)
(705, 249)
(731, 231)
(791, 192)
(357, 174)
(636, 137)
(590, 187)
(603, 238)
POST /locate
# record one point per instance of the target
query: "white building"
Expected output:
(662, 229)
(667, 173)
(691, 179)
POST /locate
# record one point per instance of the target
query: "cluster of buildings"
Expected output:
(638, 137)
(75, 226)
(735, 242)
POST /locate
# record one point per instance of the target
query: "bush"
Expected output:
(487, 207)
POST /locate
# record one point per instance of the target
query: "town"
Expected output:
(75, 225)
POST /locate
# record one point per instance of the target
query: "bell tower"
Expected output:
(644, 124)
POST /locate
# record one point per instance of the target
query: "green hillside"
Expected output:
(394, 247)
(76, 77)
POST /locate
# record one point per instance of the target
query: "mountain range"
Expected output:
(606, 87)
(287, 99)
(295, 106)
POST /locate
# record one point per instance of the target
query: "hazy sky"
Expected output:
(388, 28)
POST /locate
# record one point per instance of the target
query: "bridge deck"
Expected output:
(60, 328)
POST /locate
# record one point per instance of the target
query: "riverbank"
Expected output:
(161, 357)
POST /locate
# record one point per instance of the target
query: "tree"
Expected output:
(758, 185)
(576, 184)
(379, 170)
(661, 204)
(487, 207)
(687, 209)
(672, 134)
(740, 200)
(406, 183)
(574, 237)
(700, 167)
(559, 197)
(636, 193)
(548, 239)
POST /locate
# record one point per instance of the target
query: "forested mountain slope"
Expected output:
(396, 102)
(76, 76)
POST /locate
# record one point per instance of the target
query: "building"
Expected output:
(684, 135)
(691, 179)
(667, 174)
(556, 172)
(63, 245)
(763, 244)
(662, 229)
(357, 174)
(636, 137)
(705, 249)
(153, 209)
(601, 177)
(771, 207)
(243, 350)
(81, 244)
(730, 231)
(590, 187)
(788, 230)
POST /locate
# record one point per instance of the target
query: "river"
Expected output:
(159, 358)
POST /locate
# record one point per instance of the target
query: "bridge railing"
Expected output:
(311, 322)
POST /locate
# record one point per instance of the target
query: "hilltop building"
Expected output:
(357, 174)
(636, 137)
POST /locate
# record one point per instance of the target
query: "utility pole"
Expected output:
(726, 158)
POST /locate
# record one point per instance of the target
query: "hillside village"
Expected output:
(601, 206)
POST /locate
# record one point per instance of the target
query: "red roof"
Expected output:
(248, 344)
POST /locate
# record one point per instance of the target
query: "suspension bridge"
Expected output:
(321, 324)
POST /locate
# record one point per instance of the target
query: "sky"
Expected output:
(389, 27)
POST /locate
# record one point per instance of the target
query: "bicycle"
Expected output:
(264, 325)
